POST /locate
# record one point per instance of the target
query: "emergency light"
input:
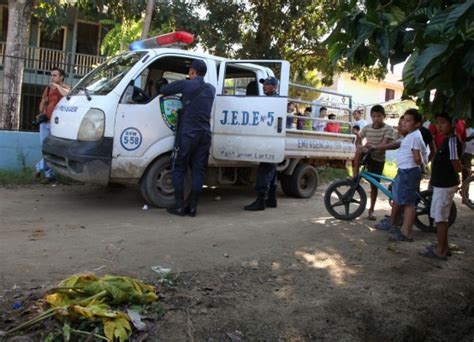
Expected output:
(178, 38)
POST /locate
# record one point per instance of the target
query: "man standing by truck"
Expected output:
(266, 172)
(50, 98)
(193, 134)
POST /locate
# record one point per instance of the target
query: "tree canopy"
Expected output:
(435, 37)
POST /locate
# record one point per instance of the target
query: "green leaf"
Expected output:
(50, 337)
(468, 61)
(437, 23)
(457, 13)
(409, 70)
(66, 332)
(427, 58)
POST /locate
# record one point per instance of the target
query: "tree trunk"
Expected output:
(150, 8)
(19, 20)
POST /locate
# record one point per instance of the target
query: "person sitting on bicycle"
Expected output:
(375, 134)
(445, 180)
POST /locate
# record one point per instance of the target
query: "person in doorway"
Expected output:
(194, 135)
(445, 181)
(50, 98)
(266, 172)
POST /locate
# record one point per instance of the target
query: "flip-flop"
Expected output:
(430, 253)
(397, 235)
(434, 245)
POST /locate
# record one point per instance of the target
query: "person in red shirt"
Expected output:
(460, 132)
(332, 127)
(50, 98)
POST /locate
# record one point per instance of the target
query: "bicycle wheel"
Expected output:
(423, 220)
(467, 192)
(340, 204)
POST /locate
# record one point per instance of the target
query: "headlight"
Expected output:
(92, 125)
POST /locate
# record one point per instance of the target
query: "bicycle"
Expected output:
(349, 193)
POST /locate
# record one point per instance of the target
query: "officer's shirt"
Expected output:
(196, 116)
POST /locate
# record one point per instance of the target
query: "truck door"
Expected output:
(247, 124)
(145, 121)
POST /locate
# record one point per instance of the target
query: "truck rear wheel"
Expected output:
(304, 181)
(157, 184)
(285, 182)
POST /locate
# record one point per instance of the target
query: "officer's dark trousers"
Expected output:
(193, 152)
(266, 177)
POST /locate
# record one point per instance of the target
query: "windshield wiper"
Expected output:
(86, 92)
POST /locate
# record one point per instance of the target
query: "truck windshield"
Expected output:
(106, 76)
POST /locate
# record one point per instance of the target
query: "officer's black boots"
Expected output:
(179, 207)
(271, 201)
(191, 209)
(259, 203)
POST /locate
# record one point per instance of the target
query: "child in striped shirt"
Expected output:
(375, 134)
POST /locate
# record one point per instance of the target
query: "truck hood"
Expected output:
(68, 114)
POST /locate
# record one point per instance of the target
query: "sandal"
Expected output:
(371, 216)
(430, 253)
(434, 245)
(397, 235)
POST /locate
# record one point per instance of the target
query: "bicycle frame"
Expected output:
(372, 178)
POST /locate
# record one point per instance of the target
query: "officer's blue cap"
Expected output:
(270, 79)
(199, 66)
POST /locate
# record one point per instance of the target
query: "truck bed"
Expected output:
(319, 145)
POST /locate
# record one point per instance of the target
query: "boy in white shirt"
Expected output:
(411, 155)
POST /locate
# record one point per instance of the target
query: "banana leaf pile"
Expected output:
(89, 297)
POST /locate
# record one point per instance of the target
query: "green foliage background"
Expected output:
(435, 37)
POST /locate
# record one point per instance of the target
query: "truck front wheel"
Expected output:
(157, 184)
(304, 181)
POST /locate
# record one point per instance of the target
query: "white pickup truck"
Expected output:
(115, 127)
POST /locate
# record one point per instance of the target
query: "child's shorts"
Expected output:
(441, 203)
(375, 166)
(406, 185)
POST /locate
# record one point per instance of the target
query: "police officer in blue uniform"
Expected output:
(193, 135)
(266, 172)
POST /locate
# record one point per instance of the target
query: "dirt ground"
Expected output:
(286, 274)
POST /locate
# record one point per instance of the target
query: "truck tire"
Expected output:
(304, 181)
(157, 184)
(285, 183)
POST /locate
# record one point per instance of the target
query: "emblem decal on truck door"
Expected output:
(169, 106)
(131, 139)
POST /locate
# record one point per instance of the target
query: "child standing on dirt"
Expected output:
(445, 180)
(389, 222)
(375, 134)
(411, 156)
